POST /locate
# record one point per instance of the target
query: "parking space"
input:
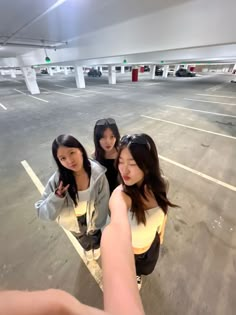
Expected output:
(193, 122)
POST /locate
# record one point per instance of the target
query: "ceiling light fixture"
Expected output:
(47, 59)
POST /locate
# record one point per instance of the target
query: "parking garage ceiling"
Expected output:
(109, 28)
(54, 23)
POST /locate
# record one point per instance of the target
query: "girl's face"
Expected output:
(70, 158)
(129, 170)
(108, 140)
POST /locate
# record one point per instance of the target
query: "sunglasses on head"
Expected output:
(135, 139)
(103, 122)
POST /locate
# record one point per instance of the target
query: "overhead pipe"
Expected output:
(34, 45)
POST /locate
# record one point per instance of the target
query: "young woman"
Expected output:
(144, 192)
(106, 140)
(76, 195)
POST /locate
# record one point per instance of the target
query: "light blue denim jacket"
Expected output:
(51, 207)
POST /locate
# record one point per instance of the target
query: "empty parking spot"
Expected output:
(151, 84)
(112, 89)
(216, 87)
(129, 84)
(37, 98)
(71, 95)
(212, 179)
(82, 93)
(186, 126)
(19, 91)
(4, 107)
(33, 176)
(11, 80)
(65, 87)
(212, 95)
(96, 92)
(92, 266)
(204, 101)
(202, 111)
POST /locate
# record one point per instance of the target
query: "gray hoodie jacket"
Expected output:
(51, 207)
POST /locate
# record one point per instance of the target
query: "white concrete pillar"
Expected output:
(65, 71)
(50, 71)
(30, 80)
(184, 66)
(13, 73)
(234, 69)
(122, 69)
(100, 69)
(2, 72)
(152, 71)
(79, 77)
(58, 69)
(112, 74)
(95, 67)
(176, 68)
(165, 71)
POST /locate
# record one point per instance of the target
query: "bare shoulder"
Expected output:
(119, 203)
(119, 195)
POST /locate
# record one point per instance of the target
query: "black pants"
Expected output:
(146, 262)
(87, 241)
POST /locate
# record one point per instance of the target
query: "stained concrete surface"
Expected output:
(196, 271)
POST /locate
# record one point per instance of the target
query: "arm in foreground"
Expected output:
(121, 295)
(48, 302)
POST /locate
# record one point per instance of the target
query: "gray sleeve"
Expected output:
(101, 203)
(50, 205)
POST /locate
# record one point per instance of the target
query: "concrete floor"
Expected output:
(196, 272)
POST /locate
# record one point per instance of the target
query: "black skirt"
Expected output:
(146, 262)
(89, 240)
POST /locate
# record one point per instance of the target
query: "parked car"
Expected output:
(159, 71)
(44, 71)
(146, 68)
(184, 73)
(94, 73)
(233, 81)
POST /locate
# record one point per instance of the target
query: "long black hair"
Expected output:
(144, 152)
(66, 175)
(99, 129)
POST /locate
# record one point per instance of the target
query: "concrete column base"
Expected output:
(112, 75)
(176, 68)
(30, 80)
(65, 71)
(50, 71)
(13, 73)
(165, 71)
(79, 77)
(153, 71)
